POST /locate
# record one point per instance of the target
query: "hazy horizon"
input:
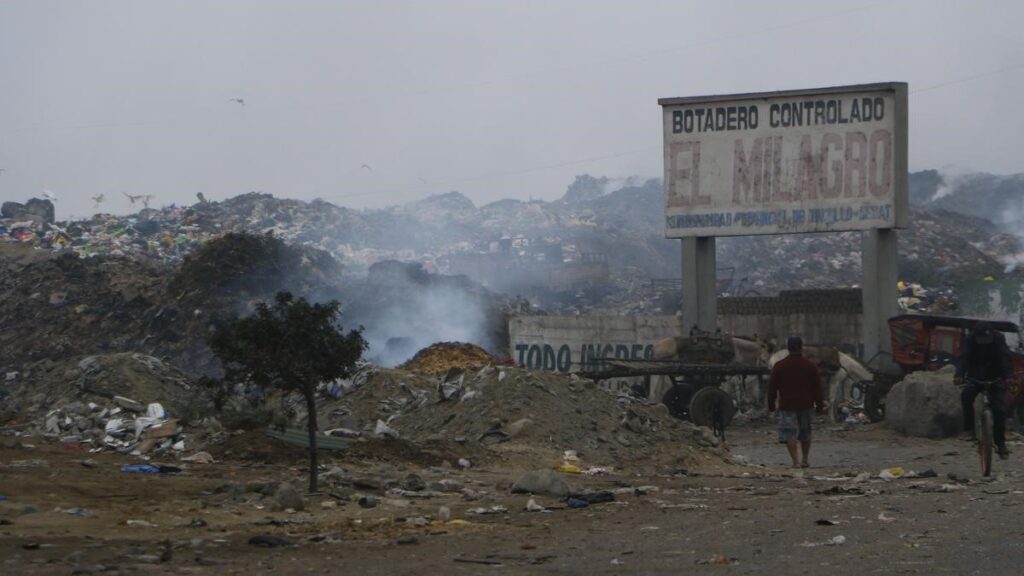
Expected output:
(370, 104)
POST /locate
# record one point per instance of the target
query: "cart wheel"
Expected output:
(677, 399)
(704, 403)
(874, 405)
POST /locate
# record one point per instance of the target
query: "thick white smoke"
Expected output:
(427, 315)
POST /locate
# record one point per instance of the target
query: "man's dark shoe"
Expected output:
(1002, 451)
(968, 436)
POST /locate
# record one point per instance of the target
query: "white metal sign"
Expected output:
(779, 162)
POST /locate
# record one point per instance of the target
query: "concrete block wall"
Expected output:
(826, 317)
(567, 343)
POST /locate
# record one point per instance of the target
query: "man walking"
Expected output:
(795, 389)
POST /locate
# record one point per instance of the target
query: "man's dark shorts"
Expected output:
(795, 425)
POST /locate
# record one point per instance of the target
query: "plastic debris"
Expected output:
(891, 473)
(532, 506)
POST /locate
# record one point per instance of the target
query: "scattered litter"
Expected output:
(891, 473)
(150, 469)
(532, 506)
(834, 541)
(491, 510)
(841, 490)
(139, 524)
(719, 560)
(382, 430)
(668, 506)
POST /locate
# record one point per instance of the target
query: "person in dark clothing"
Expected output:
(984, 355)
(795, 389)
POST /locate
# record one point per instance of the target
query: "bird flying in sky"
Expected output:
(240, 101)
(367, 166)
(132, 199)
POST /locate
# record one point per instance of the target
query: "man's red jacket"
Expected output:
(797, 383)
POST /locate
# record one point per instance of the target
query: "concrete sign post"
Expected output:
(820, 160)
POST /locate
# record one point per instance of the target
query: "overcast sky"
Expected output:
(375, 103)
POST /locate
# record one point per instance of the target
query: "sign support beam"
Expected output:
(700, 298)
(878, 262)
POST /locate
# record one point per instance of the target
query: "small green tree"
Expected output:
(293, 346)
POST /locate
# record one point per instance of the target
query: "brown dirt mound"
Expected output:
(505, 413)
(438, 359)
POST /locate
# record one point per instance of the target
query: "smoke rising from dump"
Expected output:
(433, 316)
(404, 309)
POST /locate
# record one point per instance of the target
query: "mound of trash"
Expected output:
(509, 410)
(127, 402)
(438, 359)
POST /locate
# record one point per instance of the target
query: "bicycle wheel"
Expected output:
(985, 441)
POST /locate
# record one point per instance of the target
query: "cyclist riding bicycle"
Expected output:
(985, 356)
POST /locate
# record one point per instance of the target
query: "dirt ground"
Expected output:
(63, 517)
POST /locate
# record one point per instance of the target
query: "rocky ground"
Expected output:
(382, 512)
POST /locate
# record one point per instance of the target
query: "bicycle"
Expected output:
(983, 423)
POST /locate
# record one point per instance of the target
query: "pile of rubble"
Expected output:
(499, 410)
(95, 406)
(438, 359)
(127, 426)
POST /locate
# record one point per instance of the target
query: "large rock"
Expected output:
(545, 482)
(287, 497)
(925, 404)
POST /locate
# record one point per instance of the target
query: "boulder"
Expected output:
(287, 497)
(925, 404)
(541, 482)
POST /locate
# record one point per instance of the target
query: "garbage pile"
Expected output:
(438, 359)
(125, 402)
(170, 233)
(501, 410)
(937, 248)
(916, 298)
(125, 426)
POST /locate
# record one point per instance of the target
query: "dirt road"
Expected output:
(61, 517)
